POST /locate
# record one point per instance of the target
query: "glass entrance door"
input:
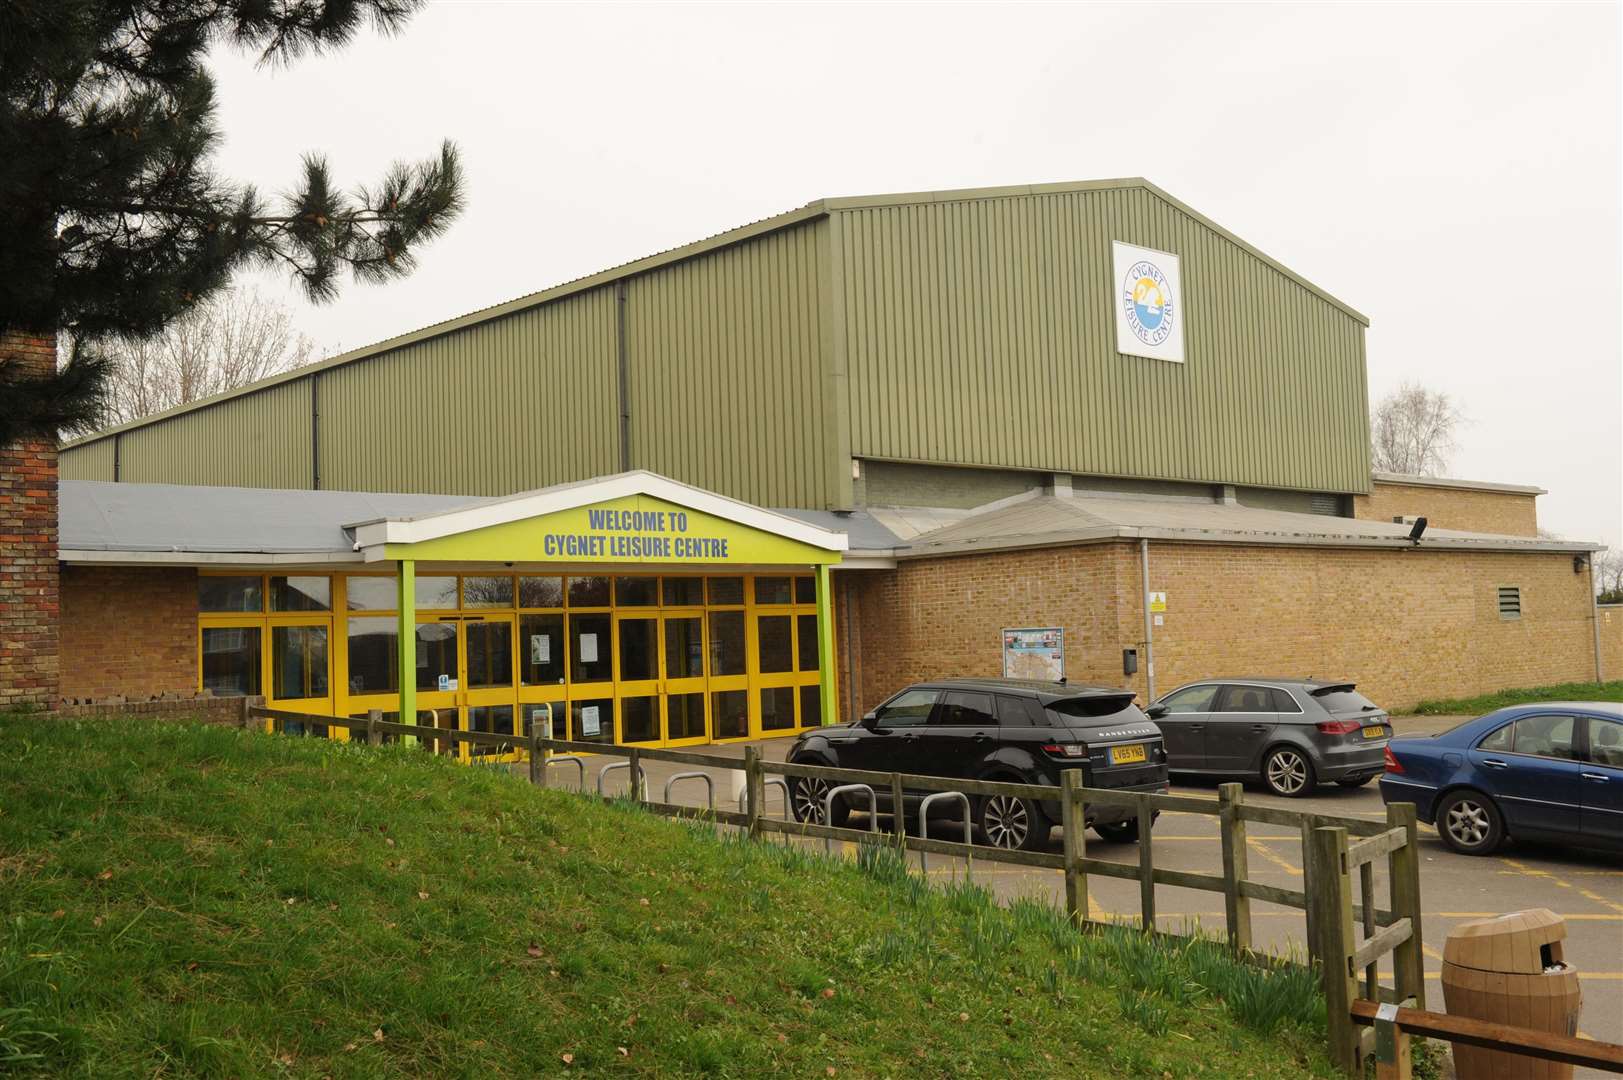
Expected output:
(682, 636)
(636, 681)
(487, 675)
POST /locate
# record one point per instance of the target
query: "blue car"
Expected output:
(1552, 771)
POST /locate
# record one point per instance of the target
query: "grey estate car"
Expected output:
(1292, 734)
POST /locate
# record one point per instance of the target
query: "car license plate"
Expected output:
(1127, 755)
(1375, 731)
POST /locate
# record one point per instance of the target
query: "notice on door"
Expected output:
(588, 648)
(589, 723)
(540, 648)
(1034, 653)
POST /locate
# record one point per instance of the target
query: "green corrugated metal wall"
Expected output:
(256, 440)
(980, 332)
(93, 461)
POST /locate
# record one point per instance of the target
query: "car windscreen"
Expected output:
(1095, 709)
(1343, 699)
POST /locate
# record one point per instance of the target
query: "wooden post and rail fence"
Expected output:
(1349, 932)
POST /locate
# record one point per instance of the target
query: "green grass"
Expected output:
(187, 901)
(1475, 706)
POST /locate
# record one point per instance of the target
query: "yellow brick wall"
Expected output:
(1611, 641)
(1503, 512)
(1404, 625)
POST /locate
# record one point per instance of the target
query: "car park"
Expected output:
(1013, 730)
(1550, 771)
(1289, 734)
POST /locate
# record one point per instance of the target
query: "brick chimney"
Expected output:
(30, 582)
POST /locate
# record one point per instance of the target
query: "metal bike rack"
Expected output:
(828, 810)
(770, 782)
(571, 759)
(924, 826)
(709, 786)
(610, 767)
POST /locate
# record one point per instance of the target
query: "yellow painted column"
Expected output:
(407, 604)
(827, 685)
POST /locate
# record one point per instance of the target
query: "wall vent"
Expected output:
(1510, 602)
(1321, 503)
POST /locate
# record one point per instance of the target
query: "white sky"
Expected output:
(1453, 171)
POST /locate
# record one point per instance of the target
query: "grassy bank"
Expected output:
(185, 901)
(1475, 706)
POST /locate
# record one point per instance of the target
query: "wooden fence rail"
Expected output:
(1490, 1035)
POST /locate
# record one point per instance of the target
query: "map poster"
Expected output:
(1034, 653)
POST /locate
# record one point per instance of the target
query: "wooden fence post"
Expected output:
(374, 717)
(1403, 878)
(538, 763)
(1146, 865)
(754, 790)
(639, 791)
(1071, 818)
(1236, 908)
(1310, 882)
(1331, 899)
(899, 811)
(243, 718)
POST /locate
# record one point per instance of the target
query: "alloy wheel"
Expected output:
(1006, 821)
(1468, 823)
(810, 796)
(1287, 772)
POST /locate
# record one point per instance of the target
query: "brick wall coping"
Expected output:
(1448, 482)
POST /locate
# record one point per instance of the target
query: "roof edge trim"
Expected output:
(1411, 480)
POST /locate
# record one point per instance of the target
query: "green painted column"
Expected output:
(828, 691)
(407, 603)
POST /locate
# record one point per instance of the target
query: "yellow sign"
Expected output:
(1158, 601)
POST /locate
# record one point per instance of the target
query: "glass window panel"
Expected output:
(593, 720)
(231, 660)
(727, 647)
(684, 592)
(685, 716)
(371, 593)
(639, 649)
(772, 590)
(436, 654)
(301, 593)
(731, 711)
(908, 708)
(496, 719)
(1191, 700)
(541, 592)
(1606, 742)
(684, 648)
(636, 591)
(435, 593)
(1499, 740)
(806, 630)
(726, 590)
(776, 649)
(490, 653)
(588, 592)
(230, 594)
(777, 708)
(374, 652)
(298, 662)
(591, 648)
(541, 649)
(1549, 736)
(965, 710)
(487, 592)
(811, 705)
(805, 590)
(534, 716)
(639, 719)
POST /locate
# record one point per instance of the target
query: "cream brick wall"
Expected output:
(1503, 512)
(1611, 641)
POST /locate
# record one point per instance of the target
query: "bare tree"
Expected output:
(1412, 431)
(235, 338)
(1608, 569)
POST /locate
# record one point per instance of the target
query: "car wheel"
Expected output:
(1288, 772)
(1119, 832)
(1358, 781)
(1010, 822)
(807, 800)
(1469, 823)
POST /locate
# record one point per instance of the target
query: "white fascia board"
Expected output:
(865, 562)
(552, 500)
(99, 556)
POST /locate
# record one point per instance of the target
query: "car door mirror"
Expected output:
(869, 720)
(1155, 712)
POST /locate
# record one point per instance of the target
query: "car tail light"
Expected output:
(1392, 763)
(1066, 750)
(1339, 727)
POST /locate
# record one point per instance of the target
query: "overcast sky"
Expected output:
(1453, 171)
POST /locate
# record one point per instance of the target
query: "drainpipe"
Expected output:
(1149, 629)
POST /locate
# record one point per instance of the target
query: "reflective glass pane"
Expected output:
(591, 648)
(727, 645)
(636, 591)
(639, 650)
(811, 705)
(371, 593)
(541, 649)
(685, 716)
(374, 649)
(230, 594)
(772, 590)
(726, 590)
(435, 593)
(540, 592)
(436, 656)
(592, 721)
(301, 593)
(684, 648)
(772, 633)
(588, 592)
(496, 719)
(231, 660)
(639, 719)
(487, 592)
(777, 708)
(490, 653)
(731, 711)
(806, 632)
(534, 716)
(684, 592)
(298, 662)
(805, 590)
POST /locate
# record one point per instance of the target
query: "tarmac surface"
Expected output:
(1585, 888)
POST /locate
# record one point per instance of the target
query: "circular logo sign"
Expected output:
(1147, 301)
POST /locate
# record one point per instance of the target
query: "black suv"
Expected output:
(1015, 730)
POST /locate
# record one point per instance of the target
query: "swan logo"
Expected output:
(1149, 302)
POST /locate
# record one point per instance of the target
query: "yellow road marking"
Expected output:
(1284, 864)
(1580, 890)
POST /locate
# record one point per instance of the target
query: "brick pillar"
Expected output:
(30, 585)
